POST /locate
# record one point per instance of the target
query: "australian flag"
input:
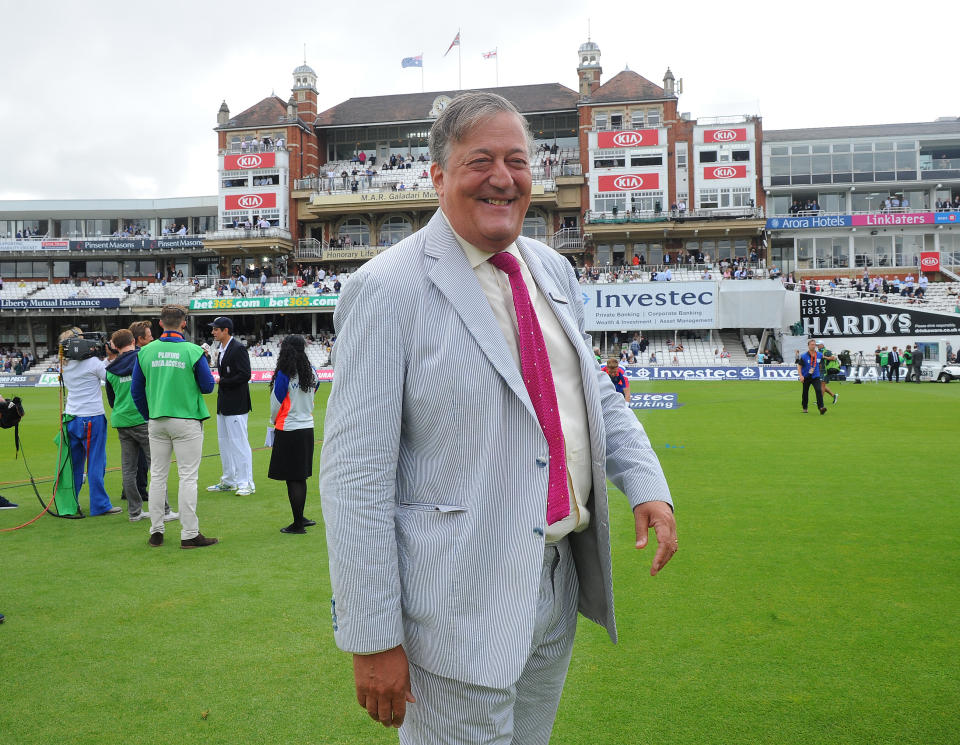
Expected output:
(412, 61)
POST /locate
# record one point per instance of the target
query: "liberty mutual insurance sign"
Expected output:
(650, 306)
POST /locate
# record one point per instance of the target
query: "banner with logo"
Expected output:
(629, 138)
(249, 161)
(803, 222)
(929, 261)
(756, 372)
(264, 303)
(720, 172)
(879, 219)
(830, 316)
(650, 306)
(250, 201)
(137, 244)
(724, 135)
(61, 303)
(31, 245)
(29, 380)
(629, 182)
(654, 401)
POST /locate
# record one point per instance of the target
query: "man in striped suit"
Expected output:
(466, 514)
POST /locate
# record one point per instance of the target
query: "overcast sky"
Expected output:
(119, 99)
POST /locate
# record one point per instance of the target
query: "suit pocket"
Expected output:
(431, 507)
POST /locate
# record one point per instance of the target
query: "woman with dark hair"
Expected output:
(293, 386)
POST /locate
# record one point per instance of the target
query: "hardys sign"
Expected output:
(650, 305)
(830, 316)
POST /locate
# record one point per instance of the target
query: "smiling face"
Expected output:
(484, 190)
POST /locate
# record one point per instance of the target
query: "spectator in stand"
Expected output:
(292, 391)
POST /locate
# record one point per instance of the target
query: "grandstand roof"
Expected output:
(271, 110)
(626, 86)
(950, 127)
(415, 107)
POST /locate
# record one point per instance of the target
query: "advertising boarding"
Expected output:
(650, 306)
(831, 316)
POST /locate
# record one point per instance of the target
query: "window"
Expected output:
(647, 160)
(616, 121)
(608, 161)
(681, 158)
(653, 118)
(636, 119)
(394, 230)
(741, 156)
(233, 183)
(708, 156)
(709, 199)
(357, 230)
(534, 226)
(606, 202)
(600, 121)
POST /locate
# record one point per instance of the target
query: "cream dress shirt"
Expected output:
(567, 380)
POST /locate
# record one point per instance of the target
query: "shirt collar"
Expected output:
(477, 256)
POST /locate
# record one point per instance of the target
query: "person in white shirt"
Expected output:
(85, 425)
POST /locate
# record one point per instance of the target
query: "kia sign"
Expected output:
(725, 172)
(629, 182)
(249, 162)
(930, 261)
(250, 201)
(725, 135)
(629, 138)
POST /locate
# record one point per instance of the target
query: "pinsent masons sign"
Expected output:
(650, 305)
(628, 138)
(629, 182)
(830, 316)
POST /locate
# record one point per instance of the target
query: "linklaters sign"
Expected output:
(264, 303)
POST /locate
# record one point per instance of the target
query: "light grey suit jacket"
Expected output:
(430, 545)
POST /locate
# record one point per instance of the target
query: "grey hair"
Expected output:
(462, 115)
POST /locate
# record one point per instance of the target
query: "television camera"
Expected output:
(85, 345)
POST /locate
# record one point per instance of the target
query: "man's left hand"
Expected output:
(659, 516)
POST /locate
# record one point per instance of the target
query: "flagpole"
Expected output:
(496, 56)
(459, 62)
(421, 72)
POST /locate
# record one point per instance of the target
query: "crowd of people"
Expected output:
(16, 361)
(155, 389)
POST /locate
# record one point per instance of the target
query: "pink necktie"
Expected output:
(537, 376)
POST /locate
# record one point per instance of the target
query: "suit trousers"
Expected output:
(135, 455)
(452, 712)
(235, 453)
(894, 373)
(183, 437)
(818, 392)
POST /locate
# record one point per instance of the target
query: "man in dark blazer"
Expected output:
(466, 515)
(233, 404)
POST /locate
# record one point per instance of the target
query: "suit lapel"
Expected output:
(453, 276)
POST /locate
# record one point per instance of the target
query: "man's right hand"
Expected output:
(383, 685)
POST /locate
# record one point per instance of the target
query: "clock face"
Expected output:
(439, 104)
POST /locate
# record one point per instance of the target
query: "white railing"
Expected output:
(232, 234)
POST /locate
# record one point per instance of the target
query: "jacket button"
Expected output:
(541, 462)
(538, 531)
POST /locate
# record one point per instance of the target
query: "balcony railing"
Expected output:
(652, 216)
(567, 239)
(233, 234)
(939, 164)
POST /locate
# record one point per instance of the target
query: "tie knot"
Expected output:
(505, 262)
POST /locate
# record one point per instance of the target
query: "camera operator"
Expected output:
(86, 426)
(6, 504)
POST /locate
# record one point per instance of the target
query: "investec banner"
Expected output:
(881, 219)
(258, 303)
(830, 316)
(759, 372)
(650, 305)
(60, 303)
